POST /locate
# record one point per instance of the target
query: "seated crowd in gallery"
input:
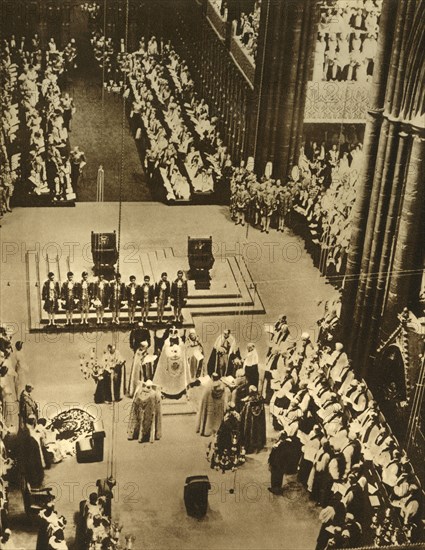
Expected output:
(36, 155)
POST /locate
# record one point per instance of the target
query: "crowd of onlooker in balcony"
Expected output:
(36, 119)
(245, 18)
(347, 40)
(181, 141)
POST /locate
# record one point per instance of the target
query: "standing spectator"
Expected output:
(179, 294)
(78, 161)
(283, 459)
(27, 406)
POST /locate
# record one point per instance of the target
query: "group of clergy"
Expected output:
(334, 438)
(38, 116)
(246, 29)
(101, 294)
(347, 41)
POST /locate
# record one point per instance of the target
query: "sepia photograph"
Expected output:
(212, 273)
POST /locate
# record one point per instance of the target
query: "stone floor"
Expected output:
(151, 477)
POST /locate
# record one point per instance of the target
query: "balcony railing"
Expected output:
(335, 101)
(216, 20)
(242, 59)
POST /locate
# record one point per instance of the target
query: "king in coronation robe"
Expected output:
(172, 373)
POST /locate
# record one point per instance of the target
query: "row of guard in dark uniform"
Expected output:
(102, 294)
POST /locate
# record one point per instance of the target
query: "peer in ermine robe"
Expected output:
(213, 405)
(253, 421)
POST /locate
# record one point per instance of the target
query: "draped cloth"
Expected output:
(172, 373)
(253, 421)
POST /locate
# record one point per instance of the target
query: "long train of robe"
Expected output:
(145, 421)
(211, 411)
(253, 422)
(228, 452)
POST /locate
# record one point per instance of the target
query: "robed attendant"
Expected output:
(223, 355)
(31, 457)
(115, 365)
(145, 421)
(116, 297)
(111, 379)
(100, 296)
(213, 405)
(50, 295)
(138, 335)
(142, 368)
(69, 296)
(227, 450)
(194, 355)
(27, 406)
(253, 420)
(172, 372)
(250, 366)
(240, 390)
